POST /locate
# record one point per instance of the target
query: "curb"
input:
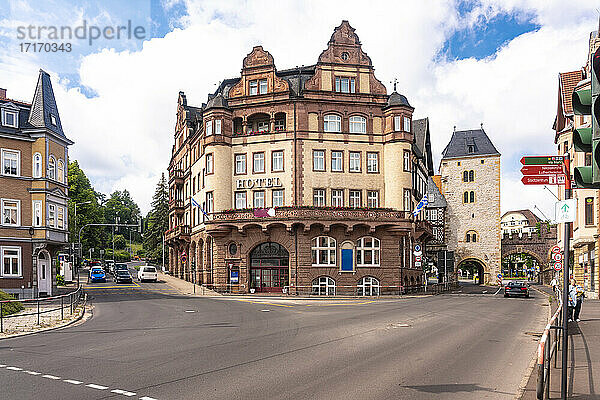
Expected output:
(52, 328)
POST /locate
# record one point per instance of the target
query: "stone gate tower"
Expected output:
(470, 176)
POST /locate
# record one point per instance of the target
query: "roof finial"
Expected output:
(395, 83)
(454, 128)
(481, 125)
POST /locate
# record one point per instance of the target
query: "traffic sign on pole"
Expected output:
(555, 249)
(558, 179)
(542, 169)
(557, 257)
(542, 160)
(557, 265)
(565, 210)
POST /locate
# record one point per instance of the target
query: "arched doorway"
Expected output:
(269, 267)
(475, 268)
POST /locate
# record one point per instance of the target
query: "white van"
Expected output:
(147, 273)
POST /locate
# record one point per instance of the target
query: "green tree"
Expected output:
(157, 220)
(121, 205)
(81, 191)
(120, 242)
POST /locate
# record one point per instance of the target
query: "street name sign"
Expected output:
(565, 210)
(544, 179)
(542, 160)
(542, 169)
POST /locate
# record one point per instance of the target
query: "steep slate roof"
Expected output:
(433, 193)
(422, 141)
(44, 105)
(216, 102)
(531, 217)
(567, 82)
(458, 145)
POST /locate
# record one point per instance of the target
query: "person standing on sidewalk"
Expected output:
(580, 294)
(572, 301)
(553, 283)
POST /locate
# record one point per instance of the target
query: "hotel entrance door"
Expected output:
(269, 267)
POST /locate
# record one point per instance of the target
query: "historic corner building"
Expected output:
(470, 180)
(33, 192)
(300, 180)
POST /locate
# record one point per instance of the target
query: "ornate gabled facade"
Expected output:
(299, 180)
(33, 192)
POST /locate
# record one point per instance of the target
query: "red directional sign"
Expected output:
(542, 169)
(543, 179)
(542, 160)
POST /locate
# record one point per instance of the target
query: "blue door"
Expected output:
(347, 260)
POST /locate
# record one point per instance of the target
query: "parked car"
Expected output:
(97, 275)
(123, 276)
(516, 289)
(147, 273)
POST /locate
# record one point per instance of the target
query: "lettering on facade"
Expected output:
(259, 183)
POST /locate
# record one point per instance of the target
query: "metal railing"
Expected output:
(70, 301)
(547, 349)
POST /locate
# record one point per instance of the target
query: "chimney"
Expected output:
(2, 93)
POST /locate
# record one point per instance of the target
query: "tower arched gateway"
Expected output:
(269, 267)
(477, 268)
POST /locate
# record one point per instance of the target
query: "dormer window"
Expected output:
(53, 119)
(10, 118)
(344, 84)
(470, 149)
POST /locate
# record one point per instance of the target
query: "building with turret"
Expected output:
(300, 180)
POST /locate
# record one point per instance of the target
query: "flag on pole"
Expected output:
(423, 203)
(195, 203)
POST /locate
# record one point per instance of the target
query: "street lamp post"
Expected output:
(78, 248)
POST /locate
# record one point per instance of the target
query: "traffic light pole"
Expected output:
(565, 294)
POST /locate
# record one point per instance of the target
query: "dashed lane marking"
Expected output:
(94, 386)
(14, 368)
(147, 398)
(123, 392)
(32, 372)
(264, 302)
(73, 382)
(53, 377)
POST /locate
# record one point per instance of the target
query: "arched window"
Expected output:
(471, 237)
(323, 286)
(368, 252)
(323, 251)
(469, 197)
(471, 176)
(51, 168)
(37, 165)
(332, 123)
(61, 171)
(465, 176)
(368, 286)
(358, 124)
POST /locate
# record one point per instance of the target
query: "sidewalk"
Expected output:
(584, 357)
(185, 287)
(50, 318)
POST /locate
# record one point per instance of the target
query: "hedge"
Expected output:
(10, 308)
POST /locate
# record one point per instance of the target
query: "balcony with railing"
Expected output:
(176, 177)
(180, 232)
(176, 206)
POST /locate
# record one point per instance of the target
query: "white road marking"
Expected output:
(51, 377)
(15, 368)
(73, 382)
(190, 311)
(32, 372)
(123, 392)
(147, 398)
(265, 310)
(94, 386)
(2, 365)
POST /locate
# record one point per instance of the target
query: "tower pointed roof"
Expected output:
(44, 111)
(469, 143)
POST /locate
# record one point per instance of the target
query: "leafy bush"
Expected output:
(60, 280)
(10, 308)
(118, 256)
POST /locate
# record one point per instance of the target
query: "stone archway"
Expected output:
(522, 260)
(269, 267)
(476, 266)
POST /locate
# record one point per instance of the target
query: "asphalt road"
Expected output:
(144, 342)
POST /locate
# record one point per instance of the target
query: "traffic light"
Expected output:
(586, 101)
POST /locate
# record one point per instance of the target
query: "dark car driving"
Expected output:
(120, 267)
(516, 289)
(123, 276)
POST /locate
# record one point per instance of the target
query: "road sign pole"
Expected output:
(565, 294)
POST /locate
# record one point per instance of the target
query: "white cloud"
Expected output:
(123, 137)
